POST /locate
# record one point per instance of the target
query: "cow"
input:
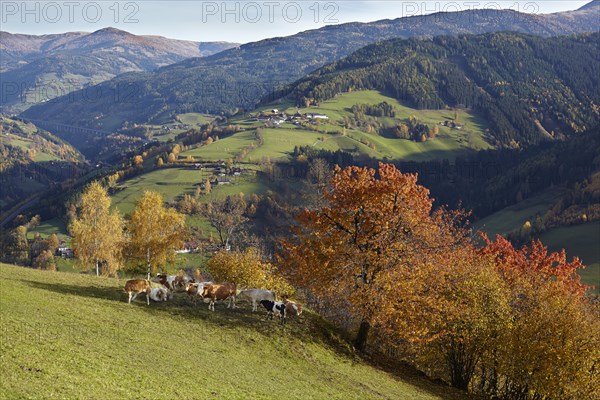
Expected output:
(256, 295)
(274, 307)
(221, 291)
(133, 287)
(195, 290)
(166, 280)
(159, 294)
(174, 282)
(291, 308)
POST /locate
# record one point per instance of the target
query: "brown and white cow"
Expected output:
(133, 287)
(293, 309)
(194, 290)
(221, 291)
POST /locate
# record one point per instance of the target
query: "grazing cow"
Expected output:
(195, 290)
(274, 307)
(221, 291)
(133, 287)
(159, 294)
(256, 295)
(167, 280)
(293, 309)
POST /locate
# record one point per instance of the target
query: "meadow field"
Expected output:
(279, 142)
(74, 336)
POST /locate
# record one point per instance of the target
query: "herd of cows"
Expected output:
(210, 293)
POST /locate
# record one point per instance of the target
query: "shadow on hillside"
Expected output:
(98, 292)
(311, 328)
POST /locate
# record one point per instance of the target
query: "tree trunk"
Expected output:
(360, 343)
(148, 261)
(97, 268)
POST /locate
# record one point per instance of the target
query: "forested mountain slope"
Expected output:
(528, 88)
(238, 77)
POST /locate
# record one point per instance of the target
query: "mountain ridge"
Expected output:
(234, 79)
(38, 68)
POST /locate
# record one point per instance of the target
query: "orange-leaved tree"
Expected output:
(552, 347)
(375, 221)
(449, 311)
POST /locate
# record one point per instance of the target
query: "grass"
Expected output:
(512, 218)
(195, 118)
(26, 144)
(48, 227)
(170, 182)
(175, 182)
(73, 336)
(224, 148)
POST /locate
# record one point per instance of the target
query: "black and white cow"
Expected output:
(273, 307)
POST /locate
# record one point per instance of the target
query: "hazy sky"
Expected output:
(234, 21)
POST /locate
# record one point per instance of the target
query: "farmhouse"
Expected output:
(64, 251)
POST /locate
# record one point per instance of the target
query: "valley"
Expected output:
(413, 202)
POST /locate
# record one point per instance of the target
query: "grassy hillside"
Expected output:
(581, 241)
(279, 142)
(31, 160)
(513, 217)
(175, 182)
(36, 144)
(69, 335)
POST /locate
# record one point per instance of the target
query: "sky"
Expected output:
(233, 21)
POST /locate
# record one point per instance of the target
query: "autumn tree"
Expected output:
(376, 221)
(187, 205)
(552, 347)
(138, 161)
(156, 231)
(227, 217)
(45, 260)
(53, 242)
(319, 172)
(97, 231)
(317, 179)
(248, 270)
(452, 307)
(15, 246)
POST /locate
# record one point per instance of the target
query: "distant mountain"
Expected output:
(589, 6)
(38, 68)
(239, 77)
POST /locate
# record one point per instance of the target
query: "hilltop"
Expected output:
(69, 335)
(238, 78)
